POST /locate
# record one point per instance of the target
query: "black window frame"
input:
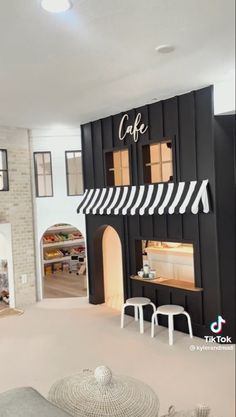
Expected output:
(36, 175)
(6, 186)
(67, 173)
(171, 139)
(108, 157)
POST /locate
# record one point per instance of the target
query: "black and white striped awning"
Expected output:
(167, 198)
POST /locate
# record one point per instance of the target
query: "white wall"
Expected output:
(224, 95)
(60, 208)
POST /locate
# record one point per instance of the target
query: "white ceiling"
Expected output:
(99, 58)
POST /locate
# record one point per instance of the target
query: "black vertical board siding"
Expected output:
(129, 141)
(98, 154)
(194, 306)
(87, 148)
(170, 119)
(180, 322)
(188, 166)
(178, 298)
(134, 234)
(226, 221)
(146, 226)
(171, 129)
(149, 292)
(137, 288)
(197, 263)
(187, 144)
(115, 126)
(190, 226)
(164, 297)
(160, 226)
(174, 227)
(107, 133)
(127, 122)
(143, 138)
(155, 121)
(207, 223)
(145, 120)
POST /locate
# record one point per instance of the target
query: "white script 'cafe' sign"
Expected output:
(134, 129)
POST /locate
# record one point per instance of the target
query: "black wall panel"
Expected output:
(187, 144)
(188, 120)
(98, 154)
(107, 133)
(226, 219)
(87, 146)
(155, 121)
(115, 127)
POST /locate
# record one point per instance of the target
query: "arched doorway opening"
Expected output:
(63, 262)
(112, 268)
(108, 267)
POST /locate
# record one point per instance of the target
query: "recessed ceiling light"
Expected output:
(165, 49)
(56, 6)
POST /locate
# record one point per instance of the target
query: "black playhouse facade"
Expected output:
(164, 173)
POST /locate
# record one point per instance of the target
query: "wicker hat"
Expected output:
(104, 395)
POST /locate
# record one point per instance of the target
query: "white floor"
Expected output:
(56, 338)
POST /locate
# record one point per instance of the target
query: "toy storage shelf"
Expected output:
(56, 260)
(60, 228)
(62, 238)
(63, 243)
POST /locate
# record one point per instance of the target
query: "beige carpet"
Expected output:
(56, 338)
(6, 312)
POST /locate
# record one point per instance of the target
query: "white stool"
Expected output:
(171, 311)
(138, 303)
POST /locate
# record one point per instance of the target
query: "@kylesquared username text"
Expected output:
(196, 348)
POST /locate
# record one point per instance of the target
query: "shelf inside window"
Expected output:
(174, 283)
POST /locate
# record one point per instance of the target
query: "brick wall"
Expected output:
(16, 208)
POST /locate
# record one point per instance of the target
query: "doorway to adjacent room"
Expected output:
(63, 262)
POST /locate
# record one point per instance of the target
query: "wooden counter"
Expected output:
(175, 283)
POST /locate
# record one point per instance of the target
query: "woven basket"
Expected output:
(102, 395)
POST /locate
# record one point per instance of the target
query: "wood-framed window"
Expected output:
(43, 174)
(74, 173)
(4, 182)
(117, 168)
(158, 162)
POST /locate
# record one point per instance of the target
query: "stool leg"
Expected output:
(189, 323)
(136, 313)
(154, 310)
(170, 328)
(141, 319)
(154, 319)
(122, 315)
